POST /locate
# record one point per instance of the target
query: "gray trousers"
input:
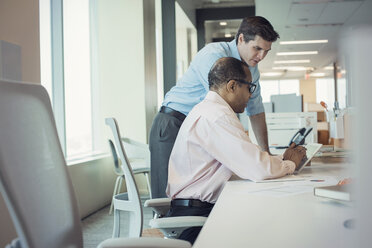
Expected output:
(163, 134)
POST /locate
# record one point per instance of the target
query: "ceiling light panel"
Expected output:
(271, 74)
(299, 61)
(297, 53)
(296, 42)
(223, 23)
(317, 74)
(293, 68)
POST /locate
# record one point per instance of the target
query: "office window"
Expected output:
(45, 46)
(325, 91)
(76, 98)
(278, 87)
(76, 40)
(268, 88)
(289, 87)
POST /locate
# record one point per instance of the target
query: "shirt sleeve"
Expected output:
(255, 105)
(231, 146)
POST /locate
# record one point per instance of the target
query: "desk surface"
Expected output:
(244, 218)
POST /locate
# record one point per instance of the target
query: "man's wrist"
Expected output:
(291, 166)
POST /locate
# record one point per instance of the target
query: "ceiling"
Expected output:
(202, 4)
(297, 20)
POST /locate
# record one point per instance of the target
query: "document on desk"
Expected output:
(284, 191)
(294, 187)
(283, 179)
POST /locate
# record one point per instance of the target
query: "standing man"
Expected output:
(251, 45)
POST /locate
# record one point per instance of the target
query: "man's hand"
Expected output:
(295, 153)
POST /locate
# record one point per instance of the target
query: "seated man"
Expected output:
(211, 146)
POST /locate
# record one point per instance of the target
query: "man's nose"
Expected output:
(261, 54)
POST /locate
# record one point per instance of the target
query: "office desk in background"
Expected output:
(246, 217)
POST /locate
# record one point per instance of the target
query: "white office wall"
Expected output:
(121, 88)
(189, 9)
(159, 53)
(185, 41)
(93, 183)
(19, 24)
(181, 48)
(120, 46)
(150, 57)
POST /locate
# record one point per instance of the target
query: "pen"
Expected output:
(317, 180)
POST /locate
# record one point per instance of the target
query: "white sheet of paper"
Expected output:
(284, 191)
(283, 179)
(294, 187)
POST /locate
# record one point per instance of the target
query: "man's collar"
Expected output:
(215, 97)
(234, 49)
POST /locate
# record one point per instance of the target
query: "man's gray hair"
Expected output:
(225, 69)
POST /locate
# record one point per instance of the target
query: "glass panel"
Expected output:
(268, 88)
(289, 87)
(341, 92)
(77, 77)
(325, 91)
(45, 46)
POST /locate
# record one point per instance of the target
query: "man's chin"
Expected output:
(252, 63)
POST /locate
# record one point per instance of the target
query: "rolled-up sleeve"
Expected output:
(255, 105)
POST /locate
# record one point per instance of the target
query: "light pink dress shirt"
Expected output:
(211, 146)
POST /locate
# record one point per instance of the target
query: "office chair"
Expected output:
(139, 165)
(130, 201)
(139, 158)
(34, 180)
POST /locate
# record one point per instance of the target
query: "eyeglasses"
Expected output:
(252, 87)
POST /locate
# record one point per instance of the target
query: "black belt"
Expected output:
(172, 112)
(190, 203)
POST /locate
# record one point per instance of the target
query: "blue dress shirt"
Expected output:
(193, 85)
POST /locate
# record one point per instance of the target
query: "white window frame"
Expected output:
(58, 85)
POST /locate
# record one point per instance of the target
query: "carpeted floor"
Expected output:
(98, 226)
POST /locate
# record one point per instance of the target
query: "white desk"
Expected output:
(241, 218)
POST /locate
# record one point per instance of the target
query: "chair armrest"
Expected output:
(157, 202)
(139, 165)
(172, 227)
(159, 205)
(143, 243)
(178, 222)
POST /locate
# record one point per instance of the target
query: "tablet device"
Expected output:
(311, 150)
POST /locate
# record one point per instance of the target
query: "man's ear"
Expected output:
(241, 38)
(231, 86)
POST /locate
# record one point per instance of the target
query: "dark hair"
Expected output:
(225, 69)
(256, 25)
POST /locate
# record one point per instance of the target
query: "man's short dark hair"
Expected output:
(256, 25)
(225, 69)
